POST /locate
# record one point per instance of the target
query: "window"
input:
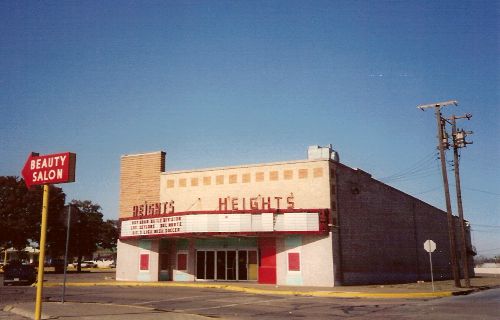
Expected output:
(219, 179)
(170, 183)
(273, 175)
(182, 261)
(207, 181)
(233, 178)
(144, 263)
(293, 261)
(318, 172)
(246, 178)
(302, 173)
(259, 176)
(182, 182)
(194, 182)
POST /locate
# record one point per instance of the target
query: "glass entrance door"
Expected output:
(229, 265)
(242, 265)
(221, 265)
(205, 265)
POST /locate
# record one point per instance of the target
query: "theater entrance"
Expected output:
(226, 265)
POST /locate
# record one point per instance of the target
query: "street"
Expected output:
(235, 305)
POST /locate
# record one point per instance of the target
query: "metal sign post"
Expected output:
(430, 246)
(66, 253)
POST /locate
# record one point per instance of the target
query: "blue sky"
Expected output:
(217, 83)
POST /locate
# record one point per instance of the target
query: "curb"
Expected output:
(337, 294)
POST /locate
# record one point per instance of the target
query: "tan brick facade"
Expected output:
(140, 180)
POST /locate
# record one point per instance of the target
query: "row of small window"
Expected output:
(247, 177)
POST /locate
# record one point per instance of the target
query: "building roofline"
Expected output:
(142, 154)
(360, 171)
(255, 165)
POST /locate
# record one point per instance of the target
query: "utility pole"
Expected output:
(442, 143)
(459, 142)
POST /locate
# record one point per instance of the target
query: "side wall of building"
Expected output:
(382, 231)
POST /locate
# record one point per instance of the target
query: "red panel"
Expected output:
(293, 261)
(182, 261)
(267, 267)
(145, 261)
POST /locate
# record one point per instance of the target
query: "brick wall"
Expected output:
(140, 180)
(382, 231)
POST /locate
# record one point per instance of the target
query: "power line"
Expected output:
(418, 175)
(471, 189)
(426, 191)
(486, 231)
(482, 191)
(489, 250)
(416, 167)
(485, 225)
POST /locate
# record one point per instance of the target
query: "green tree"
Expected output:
(21, 210)
(90, 231)
(109, 234)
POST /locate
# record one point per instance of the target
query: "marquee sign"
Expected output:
(49, 169)
(290, 221)
(225, 204)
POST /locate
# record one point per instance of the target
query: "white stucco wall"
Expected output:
(316, 262)
(128, 261)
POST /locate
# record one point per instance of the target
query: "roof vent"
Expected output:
(322, 153)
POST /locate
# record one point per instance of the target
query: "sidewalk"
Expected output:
(92, 311)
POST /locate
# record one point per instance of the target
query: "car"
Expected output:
(86, 264)
(58, 265)
(16, 272)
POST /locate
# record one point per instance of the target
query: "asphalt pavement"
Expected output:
(85, 310)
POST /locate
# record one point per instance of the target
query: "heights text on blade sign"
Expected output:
(54, 168)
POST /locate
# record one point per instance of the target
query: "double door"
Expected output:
(226, 265)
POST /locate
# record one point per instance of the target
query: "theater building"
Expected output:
(313, 222)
